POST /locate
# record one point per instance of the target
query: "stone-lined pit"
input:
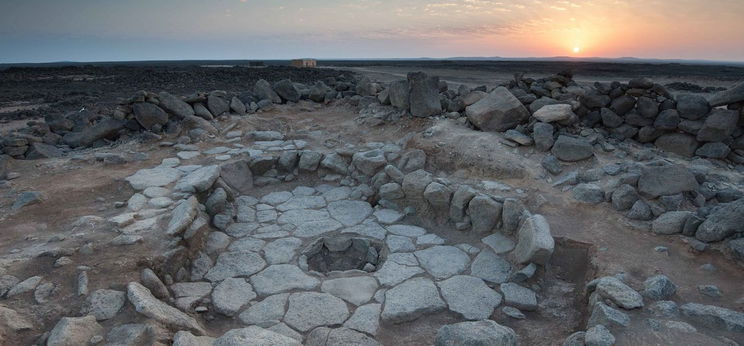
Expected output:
(341, 253)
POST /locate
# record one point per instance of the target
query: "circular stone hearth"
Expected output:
(341, 253)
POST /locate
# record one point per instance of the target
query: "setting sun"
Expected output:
(576, 50)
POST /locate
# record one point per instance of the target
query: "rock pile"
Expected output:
(163, 112)
(540, 111)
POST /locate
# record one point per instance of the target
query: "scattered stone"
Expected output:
(659, 287)
(145, 303)
(74, 331)
(611, 288)
(104, 304)
(588, 193)
(607, 316)
(710, 291)
(27, 198)
(572, 149)
(666, 180)
(24, 286)
(714, 317)
(599, 335)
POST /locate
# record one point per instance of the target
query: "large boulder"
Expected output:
(678, 143)
(572, 149)
(718, 126)
(399, 93)
(732, 95)
(692, 106)
(287, 91)
(535, 243)
(670, 222)
(264, 91)
(217, 104)
(175, 105)
(724, 221)
(714, 317)
(106, 128)
(622, 295)
(476, 333)
(554, 113)
(37, 150)
(146, 304)
(148, 115)
(666, 180)
(424, 95)
(498, 111)
(74, 331)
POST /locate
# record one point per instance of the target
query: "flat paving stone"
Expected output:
(429, 239)
(308, 310)
(349, 212)
(153, 177)
(368, 229)
(266, 312)
(356, 290)
(247, 244)
(365, 319)
(398, 243)
(302, 202)
(469, 296)
(388, 216)
(266, 216)
(406, 230)
(443, 261)
(241, 229)
(276, 198)
(337, 193)
(281, 250)
(499, 243)
(280, 278)
(490, 267)
(316, 228)
(235, 263)
(300, 216)
(411, 300)
(231, 295)
(519, 297)
(392, 273)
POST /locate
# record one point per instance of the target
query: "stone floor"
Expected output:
(254, 266)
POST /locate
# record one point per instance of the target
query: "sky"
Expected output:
(119, 30)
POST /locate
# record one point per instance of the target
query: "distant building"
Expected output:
(304, 63)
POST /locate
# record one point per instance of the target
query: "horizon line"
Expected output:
(628, 59)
